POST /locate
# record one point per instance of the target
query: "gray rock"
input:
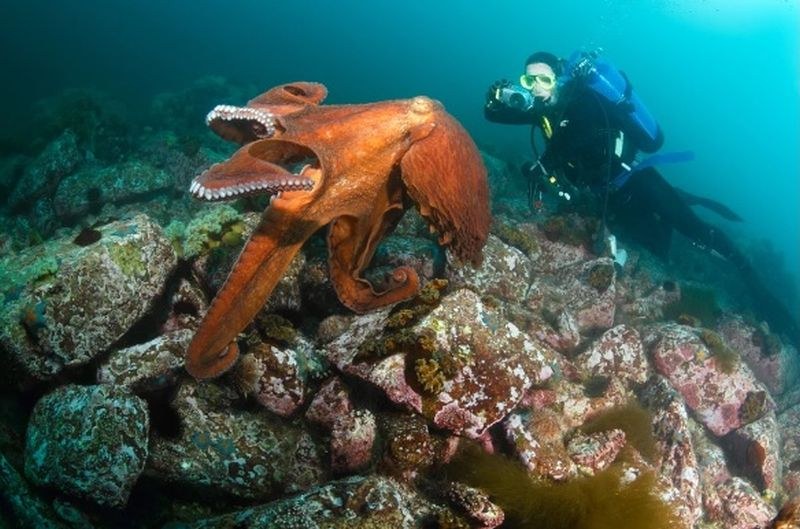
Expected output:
(486, 362)
(127, 182)
(618, 353)
(63, 304)
(89, 442)
(279, 376)
(466, 370)
(11, 170)
(677, 456)
(149, 365)
(357, 502)
(504, 274)
(224, 449)
(582, 293)
(58, 159)
(25, 507)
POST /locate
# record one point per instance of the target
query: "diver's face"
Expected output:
(547, 92)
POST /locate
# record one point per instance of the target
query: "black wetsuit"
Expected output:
(581, 150)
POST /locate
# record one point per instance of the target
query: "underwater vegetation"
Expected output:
(727, 358)
(602, 501)
(218, 226)
(511, 235)
(601, 276)
(632, 419)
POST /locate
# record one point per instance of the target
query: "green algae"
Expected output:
(602, 501)
(128, 257)
(220, 226)
(632, 419)
(727, 359)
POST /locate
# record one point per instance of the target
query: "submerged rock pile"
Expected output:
(547, 354)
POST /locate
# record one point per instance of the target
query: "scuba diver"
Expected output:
(595, 129)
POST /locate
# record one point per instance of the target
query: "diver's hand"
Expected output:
(491, 94)
(584, 67)
(534, 172)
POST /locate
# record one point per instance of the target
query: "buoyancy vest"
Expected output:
(602, 77)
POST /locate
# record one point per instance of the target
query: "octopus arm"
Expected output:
(262, 263)
(352, 241)
(444, 174)
(242, 173)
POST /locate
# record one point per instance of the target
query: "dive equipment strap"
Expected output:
(663, 158)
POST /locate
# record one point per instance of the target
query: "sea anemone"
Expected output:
(429, 374)
(246, 375)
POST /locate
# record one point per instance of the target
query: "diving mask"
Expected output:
(545, 81)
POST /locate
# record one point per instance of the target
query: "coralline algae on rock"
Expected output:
(487, 364)
(89, 442)
(84, 298)
(353, 502)
(222, 449)
(718, 399)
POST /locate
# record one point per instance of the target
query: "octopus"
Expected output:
(355, 168)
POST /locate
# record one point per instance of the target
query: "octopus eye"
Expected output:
(296, 91)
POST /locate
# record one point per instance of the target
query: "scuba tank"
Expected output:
(603, 78)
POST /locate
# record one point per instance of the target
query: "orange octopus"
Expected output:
(356, 167)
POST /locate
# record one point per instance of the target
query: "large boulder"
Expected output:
(619, 353)
(721, 391)
(68, 300)
(504, 274)
(148, 365)
(224, 449)
(350, 503)
(462, 365)
(58, 159)
(89, 442)
(123, 183)
(775, 364)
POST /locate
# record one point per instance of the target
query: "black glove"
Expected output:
(583, 67)
(491, 94)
